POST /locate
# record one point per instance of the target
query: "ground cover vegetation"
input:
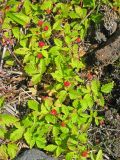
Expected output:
(41, 39)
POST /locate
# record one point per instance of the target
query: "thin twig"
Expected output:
(13, 55)
(117, 130)
(87, 15)
(11, 109)
(106, 156)
(3, 55)
(15, 72)
(26, 92)
(109, 151)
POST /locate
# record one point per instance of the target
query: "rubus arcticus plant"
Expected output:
(46, 38)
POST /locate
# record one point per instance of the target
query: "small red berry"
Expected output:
(7, 8)
(44, 97)
(40, 23)
(63, 124)
(89, 76)
(41, 44)
(53, 112)
(102, 123)
(78, 40)
(39, 55)
(67, 83)
(84, 154)
(48, 11)
(46, 28)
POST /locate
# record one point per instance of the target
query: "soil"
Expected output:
(107, 135)
(106, 59)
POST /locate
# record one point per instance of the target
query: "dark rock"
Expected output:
(107, 53)
(33, 154)
(110, 51)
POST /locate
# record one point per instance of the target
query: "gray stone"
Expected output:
(33, 154)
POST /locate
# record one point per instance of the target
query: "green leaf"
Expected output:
(84, 104)
(59, 150)
(83, 137)
(68, 40)
(107, 88)
(58, 141)
(54, 50)
(17, 134)
(46, 4)
(57, 25)
(27, 6)
(58, 75)
(75, 50)
(95, 87)
(58, 86)
(96, 17)
(12, 150)
(58, 42)
(64, 130)
(89, 100)
(74, 117)
(31, 69)
(9, 62)
(15, 17)
(22, 51)
(74, 130)
(74, 94)
(16, 32)
(3, 152)
(1, 101)
(36, 78)
(73, 15)
(50, 118)
(76, 63)
(28, 136)
(32, 104)
(65, 110)
(50, 147)
(69, 155)
(23, 17)
(62, 95)
(101, 100)
(8, 119)
(72, 144)
(45, 53)
(42, 66)
(48, 102)
(82, 32)
(67, 28)
(2, 133)
(76, 103)
(89, 3)
(99, 155)
(40, 142)
(44, 110)
(92, 156)
(72, 141)
(82, 12)
(96, 121)
(6, 23)
(23, 42)
(55, 131)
